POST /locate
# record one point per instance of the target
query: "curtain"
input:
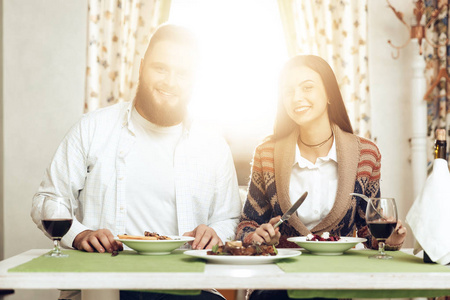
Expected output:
(437, 58)
(118, 35)
(337, 32)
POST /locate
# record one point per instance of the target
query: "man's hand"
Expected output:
(205, 237)
(267, 234)
(98, 240)
(398, 236)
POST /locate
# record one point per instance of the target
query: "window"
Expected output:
(243, 49)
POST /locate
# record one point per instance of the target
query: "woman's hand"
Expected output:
(398, 236)
(266, 233)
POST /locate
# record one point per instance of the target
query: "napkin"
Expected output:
(429, 216)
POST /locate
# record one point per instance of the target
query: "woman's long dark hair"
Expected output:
(337, 113)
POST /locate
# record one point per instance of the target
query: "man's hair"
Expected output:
(174, 33)
(337, 112)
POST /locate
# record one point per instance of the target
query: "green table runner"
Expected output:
(357, 261)
(126, 261)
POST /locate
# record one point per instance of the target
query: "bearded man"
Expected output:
(145, 165)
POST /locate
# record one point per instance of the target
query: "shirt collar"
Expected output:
(186, 123)
(129, 110)
(136, 118)
(304, 163)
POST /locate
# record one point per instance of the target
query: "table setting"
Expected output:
(323, 266)
(301, 275)
(156, 247)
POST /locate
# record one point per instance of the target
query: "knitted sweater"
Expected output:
(268, 193)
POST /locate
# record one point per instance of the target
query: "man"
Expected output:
(145, 166)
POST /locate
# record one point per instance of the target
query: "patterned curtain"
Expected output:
(118, 35)
(337, 32)
(436, 59)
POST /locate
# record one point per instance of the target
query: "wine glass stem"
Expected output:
(57, 247)
(381, 248)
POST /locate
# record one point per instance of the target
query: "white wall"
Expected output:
(390, 92)
(43, 72)
(43, 80)
(1, 136)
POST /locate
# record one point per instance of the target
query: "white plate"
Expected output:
(243, 260)
(326, 247)
(156, 247)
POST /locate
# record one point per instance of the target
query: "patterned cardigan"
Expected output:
(268, 193)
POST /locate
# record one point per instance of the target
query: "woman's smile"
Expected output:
(302, 108)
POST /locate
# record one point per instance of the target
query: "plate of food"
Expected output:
(152, 243)
(326, 244)
(234, 252)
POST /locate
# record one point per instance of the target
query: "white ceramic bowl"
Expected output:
(325, 247)
(156, 247)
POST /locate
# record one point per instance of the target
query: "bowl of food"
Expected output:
(326, 244)
(153, 243)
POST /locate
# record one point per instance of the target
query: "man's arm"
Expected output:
(226, 209)
(64, 177)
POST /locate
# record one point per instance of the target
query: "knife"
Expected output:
(291, 210)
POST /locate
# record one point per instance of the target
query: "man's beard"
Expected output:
(160, 114)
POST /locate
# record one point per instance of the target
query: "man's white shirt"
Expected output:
(90, 167)
(150, 183)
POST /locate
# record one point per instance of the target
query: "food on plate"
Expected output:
(323, 237)
(147, 236)
(158, 237)
(238, 248)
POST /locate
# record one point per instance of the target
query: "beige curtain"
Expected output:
(437, 57)
(337, 32)
(118, 34)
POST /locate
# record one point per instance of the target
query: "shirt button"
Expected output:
(121, 152)
(121, 208)
(120, 178)
(316, 211)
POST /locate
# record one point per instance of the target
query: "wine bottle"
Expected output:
(440, 151)
(440, 146)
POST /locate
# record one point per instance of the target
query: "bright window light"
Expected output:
(243, 49)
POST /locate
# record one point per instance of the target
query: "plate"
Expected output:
(325, 247)
(156, 247)
(243, 260)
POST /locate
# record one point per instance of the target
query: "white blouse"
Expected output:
(319, 180)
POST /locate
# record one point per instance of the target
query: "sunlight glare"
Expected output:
(243, 49)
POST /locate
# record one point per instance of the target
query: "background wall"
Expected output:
(43, 71)
(2, 232)
(390, 85)
(44, 46)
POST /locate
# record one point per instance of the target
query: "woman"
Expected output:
(313, 149)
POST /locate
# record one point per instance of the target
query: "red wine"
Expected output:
(381, 230)
(57, 228)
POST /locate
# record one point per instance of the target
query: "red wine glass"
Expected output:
(381, 218)
(56, 219)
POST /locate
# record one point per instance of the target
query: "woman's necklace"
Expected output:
(316, 145)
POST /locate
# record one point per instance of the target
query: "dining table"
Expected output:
(351, 275)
